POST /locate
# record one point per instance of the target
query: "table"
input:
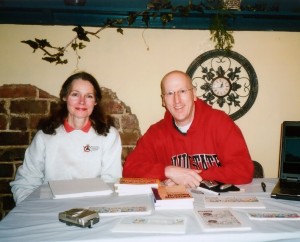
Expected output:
(36, 219)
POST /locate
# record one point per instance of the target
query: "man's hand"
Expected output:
(183, 176)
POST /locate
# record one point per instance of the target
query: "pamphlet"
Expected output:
(214, 220)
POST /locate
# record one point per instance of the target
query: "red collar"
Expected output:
(69, 128)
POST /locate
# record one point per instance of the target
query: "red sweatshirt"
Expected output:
(213, 144)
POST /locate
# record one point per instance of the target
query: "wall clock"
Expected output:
(225, 80)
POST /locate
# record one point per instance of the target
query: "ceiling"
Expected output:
(264, 15)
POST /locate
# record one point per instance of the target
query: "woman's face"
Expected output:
(81, 99)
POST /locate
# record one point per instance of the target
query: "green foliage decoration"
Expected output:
(162, 9)
(220, 33)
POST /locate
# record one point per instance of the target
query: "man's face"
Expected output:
(178, 96)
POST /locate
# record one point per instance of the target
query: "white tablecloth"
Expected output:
(36, 219)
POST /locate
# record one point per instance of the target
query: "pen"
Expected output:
(263, 185)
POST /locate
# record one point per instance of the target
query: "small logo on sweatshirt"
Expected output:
(90, 148)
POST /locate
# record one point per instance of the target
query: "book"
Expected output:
(151, 224)
(134, 186)
(124, 181)
(232, 202)
(79, 188)
(218, 220)
(121, 210)
(273, 215)
(172, 197)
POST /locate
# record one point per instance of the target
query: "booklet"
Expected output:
(232, 202)
(121, 210)
(134, 186)
(152, 224)
(273, 215)
(215, 220)
(79, 188)
(172, 197)
(125, 181)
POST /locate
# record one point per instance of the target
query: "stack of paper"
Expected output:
(172, 197)
(135, 186)
(79, 188)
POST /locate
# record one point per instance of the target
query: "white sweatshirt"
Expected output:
(66, 155)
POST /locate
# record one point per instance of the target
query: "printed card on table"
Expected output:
(273, 215)
(217, 220)
(233, 202)
(117, 211)
(151, 224)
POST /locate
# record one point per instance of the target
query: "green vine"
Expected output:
(162, 9)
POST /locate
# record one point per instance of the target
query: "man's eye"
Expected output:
(182, 91)
(170, 93)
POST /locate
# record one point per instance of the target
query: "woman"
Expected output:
(77, 141)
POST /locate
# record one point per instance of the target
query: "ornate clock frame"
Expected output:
(225, 80)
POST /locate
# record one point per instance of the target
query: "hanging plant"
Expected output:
(220, 34)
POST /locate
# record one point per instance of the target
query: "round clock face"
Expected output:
(225, 80)
(220, 87)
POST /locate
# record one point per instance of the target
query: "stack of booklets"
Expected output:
(172, 197)
(79, 188)
(135, 186)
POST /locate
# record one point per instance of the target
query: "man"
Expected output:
(192, 143)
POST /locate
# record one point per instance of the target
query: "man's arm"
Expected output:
(147, 159)
(236, 163)
(183, 176)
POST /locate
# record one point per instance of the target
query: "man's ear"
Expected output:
(195, 95)
(163, 101)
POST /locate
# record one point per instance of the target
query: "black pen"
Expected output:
(263, 185)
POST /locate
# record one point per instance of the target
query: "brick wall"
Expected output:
(21, 107)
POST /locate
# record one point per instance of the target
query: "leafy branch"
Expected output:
(162, 9)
